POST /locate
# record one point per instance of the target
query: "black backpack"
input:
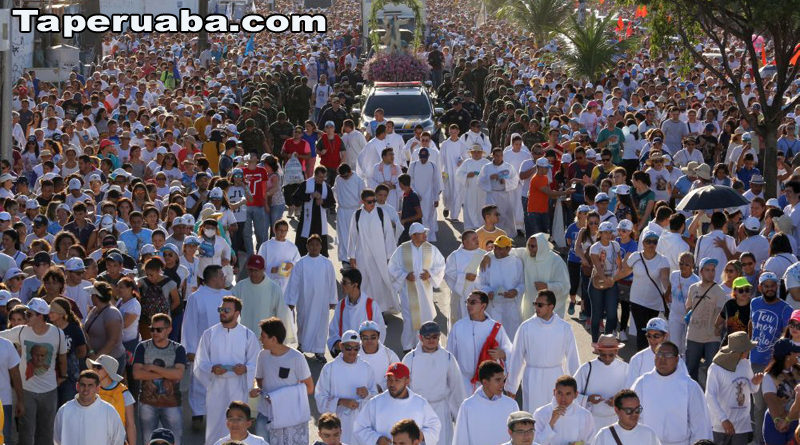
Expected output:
(380, 216)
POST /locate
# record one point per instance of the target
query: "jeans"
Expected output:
(641, 315)
(262, 426)
(536, 223)
(170, 418)
(8, 416)
(256, 221)
(436, 77)
(694, 352)
(603, 301)
(586, 298)
(275, 214)
(736, 439)
(36, 427)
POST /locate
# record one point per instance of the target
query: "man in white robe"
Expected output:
(674, 404)
(426, 180)
(467, 181)
(562, 421)
(416, 267)
(503, 280)
(643, 361)
(544, 269)
(474, 136)
(371, 243)
(87, 418)
(312, 291)
(279, 254)
(371, 154)
(600, 379)
(387, 173)
(461, 273)
(436, 377)
(314, 197)
(425, 141)
(452, 152)
(262, 298)
(482, 417)
(475, 337)
(352, 310)
(394, 139)
(201, 314)
(627, 428)
(382, 195)
(544, 349)
(354, 142)
(499, 180)
(515, 154)
(347, 192)
(374, 422)
(225, 365)
(345, 385)
(375, 353)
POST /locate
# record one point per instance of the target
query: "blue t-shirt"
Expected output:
(572, 234)
(744, 175)
(769, 322)
(626, 248)
(312, 142)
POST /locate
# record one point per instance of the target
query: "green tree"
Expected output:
(541, 18)
(591, 46)
(725, 26)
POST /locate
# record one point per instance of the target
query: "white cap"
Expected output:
(601, 197)
(74, 184)
(566, 158)
(147, 249)
(93, 178)
(543, 162)
(74, 264)
(13, 272)
(177, 221)
(606, 226)
(107, 222)
(188, 219)
(351, 336)
(625, 224)
(31, 204)
(752, 224)
(583, 208)
(773, 202)
(161, 150)
(622, 189)
(39, 306)
(417, 228)
(4, 297)
(216, 193)
(5, 216)
(591, 154)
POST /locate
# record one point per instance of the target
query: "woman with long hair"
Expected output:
(732, 271)
(586, 237)
(62, 316)
(35, 123)
(276, 200)
(139, 196)
(130, 308)
(605, 256)
(624, 208)
(643, 198)
(781, 377)
(61, 244)
(138, 166)
(12, 246)
(169, 166)
(103, 326)
(573, 260)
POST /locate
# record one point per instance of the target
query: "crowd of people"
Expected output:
(146, 218)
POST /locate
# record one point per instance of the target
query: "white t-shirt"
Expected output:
(321, 95)
(37, 368)
(251, 439)
(643, 291)
(612, 251)
(279, 371)
(131, 306)
(8, 359)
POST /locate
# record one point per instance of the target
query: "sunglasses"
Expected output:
(369, 201)
(744, 290)
(224, 310)
(157, 330)
(97, 367)
(369, 337)
(794, 324)
(350, 348)
(537, 304)
(630, 411)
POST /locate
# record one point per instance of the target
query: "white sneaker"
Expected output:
(622, 336)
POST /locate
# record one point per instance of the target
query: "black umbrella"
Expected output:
(712, 197)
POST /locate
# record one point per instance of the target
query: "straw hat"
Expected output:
(608, 342)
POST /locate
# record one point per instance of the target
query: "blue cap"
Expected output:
(657, 324)
(705, 261)
(162, 435)
(114, 256)
(767, 276)
(368, 325)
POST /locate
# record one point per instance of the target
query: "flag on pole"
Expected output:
(629, 31)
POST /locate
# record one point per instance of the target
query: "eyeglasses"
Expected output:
(650, 241)
(369, 201)
(631, 411)
(666, 355)
(224, 310)
(471, 302)
(794, 324)
(350, 348)
(744, 290)
(538, 304)
(97, 367)
(525, 431)
(157, 330)
(369, 337)
(654, 336)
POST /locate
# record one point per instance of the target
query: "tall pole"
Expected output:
(6, 142)
(202, 37)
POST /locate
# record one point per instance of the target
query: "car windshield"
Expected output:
(398, 105)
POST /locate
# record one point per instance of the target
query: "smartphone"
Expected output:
(574, 186)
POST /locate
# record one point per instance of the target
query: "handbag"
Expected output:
(663, 297)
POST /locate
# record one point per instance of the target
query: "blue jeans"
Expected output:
(8, 415)
(536, 223)
(170, 418)
(262, 426)
(275, 214)
(604, 301)
(694, 352)
(257, 220)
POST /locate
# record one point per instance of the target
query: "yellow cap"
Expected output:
(503, 241)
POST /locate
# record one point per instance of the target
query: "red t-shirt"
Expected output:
(300, 147)
(331, 157)
(256, 180)
(538, 201)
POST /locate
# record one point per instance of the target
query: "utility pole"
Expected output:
(202, 37)
(6, 140)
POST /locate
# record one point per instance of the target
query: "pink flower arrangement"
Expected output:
(396, 67)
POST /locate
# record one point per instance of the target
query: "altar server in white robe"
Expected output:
(452, 152)
(544, 350)
(279, 254)
(351, 311)
(467, 180)
(461, 274)
(499, 180)
(371, 154)
(434, 153)
(347, 193)
(426, 181)
(482, 417)
(436, 377)
(673, 404)
(311, 293)
(600, 379)
(345, 385)
(474, 136)
(387, 173)
(370, 245)
(476, 338)
(354, 142)
(515, 154)
(393, 138)
(416, 267)
(380, 413)
(200, 314)
(563, 421)
(373, 351)
(226, 365)
(87, 418)
(627, 428)
(503, 280)
(644, 361)
(382, 194)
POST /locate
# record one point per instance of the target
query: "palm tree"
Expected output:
(591, 47)
(542, 18)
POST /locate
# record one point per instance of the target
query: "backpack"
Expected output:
(153, 300)
(380, 216)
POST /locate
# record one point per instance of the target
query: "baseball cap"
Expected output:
(705, 261)
(255, 262)
(188, 219)
(656, 324)
(329, 124)
(795, 315)
(417, 228)
(162, 436)
(429, 328)
(115, 257)
(600, 197)
(767, 276)
(773, 202)
(625, 224)
(503, 241)
(752, 223)
(398, 371)
(171, 247)
(543, 162)
(40, 220)
(566, 158)
(351, 336)
(606, 226)
(191, 241)
(147, 249)
(39, 306)
(5, 296)
(5, 216)
(74, 264)
(622, 189)
(74, 184)
(368, 325)
(216, 193)
(31, 204)
(517, 417)
(583, 208)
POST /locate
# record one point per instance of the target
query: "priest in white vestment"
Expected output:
(347, 193)
(416, 267)
(461, 273)
(674, 404)
(345, 385)
(87, 418)
(627, 427)
(387, 173)
(543, 269)
(452, 153)
(499, 180)
(353, 310)
(503, 280)
(515, 154)
(469, 340)
(563, 421)
(311, 294)
(544, 350)
(435, 375)
(600, 379)
(226, 365)
(375, 353)
(381, 412)
(354, 142)
(371, 154)
(371, 243)
(474, 136)
(426, 181)
(426, 142)
(467, 180)
(279, 254)
(261, 298)
(482, 417)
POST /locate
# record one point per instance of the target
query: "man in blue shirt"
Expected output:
(137, 236)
